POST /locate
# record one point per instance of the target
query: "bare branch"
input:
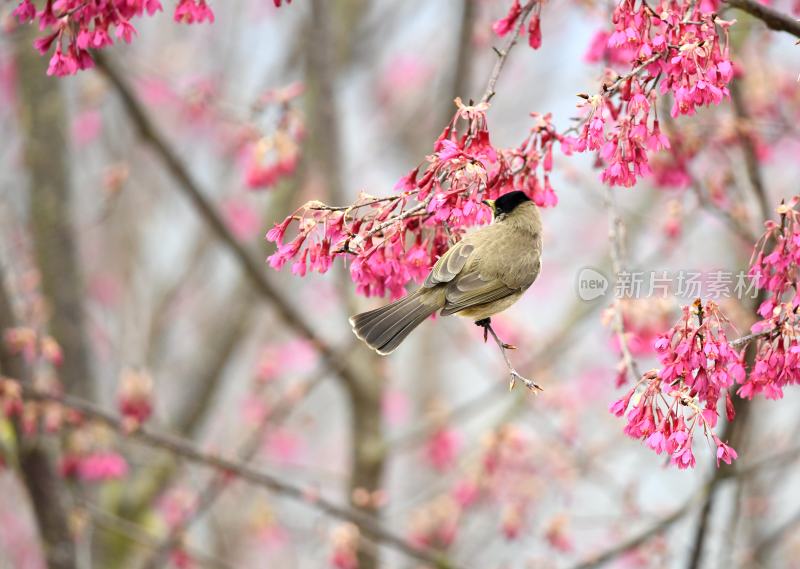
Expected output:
(745, 340)
(214, 489)
(252, 268)
(139, 535)
(774, 19)
(744, 124)
(638, 540)
(367, 524)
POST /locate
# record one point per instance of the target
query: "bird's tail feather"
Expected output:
(383, 329)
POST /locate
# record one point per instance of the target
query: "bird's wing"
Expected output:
(450, 264)
(473, 289)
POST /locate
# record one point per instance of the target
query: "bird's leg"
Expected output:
(513, 373)
(484, 323)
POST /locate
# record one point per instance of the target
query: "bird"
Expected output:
(481, 275)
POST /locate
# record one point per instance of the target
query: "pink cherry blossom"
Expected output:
(75, 26)
(441, 449)
(241, 218)
(669, 405)
(193, 11)
(680, 47)
(99, 467)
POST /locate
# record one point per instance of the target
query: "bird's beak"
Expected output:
(490, 203)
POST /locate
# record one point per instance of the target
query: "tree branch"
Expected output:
(502, 55)
(43, 129)
(205, 209)
(767, 545)
(328, 154)
(185, 449)
(774, 19)
(214, 489)
(139, 535)
(461, 61)
(638, 540)
(745, 124)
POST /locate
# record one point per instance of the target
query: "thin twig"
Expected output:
(638, 540)
(616, 237)
(612, 88)
(735, 224)
(751, 160)
(513, 373)
(745, 340)
(502, 55)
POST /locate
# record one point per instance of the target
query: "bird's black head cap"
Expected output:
(508, 202)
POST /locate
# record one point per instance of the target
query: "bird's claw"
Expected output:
(530, 384)
(484, 323)
(509, 347)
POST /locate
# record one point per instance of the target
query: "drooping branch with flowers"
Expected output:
(702, 369)
(389, 242)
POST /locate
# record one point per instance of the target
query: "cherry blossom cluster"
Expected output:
(268, 158)
(774, 264)
(699, 366)
(43, 356)
(89, 454)
(676, 46)
(516, 12)
(394, 240)
(777, 361)
(75, 27)
(775, 267)
(12, 406)
(537, 150)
